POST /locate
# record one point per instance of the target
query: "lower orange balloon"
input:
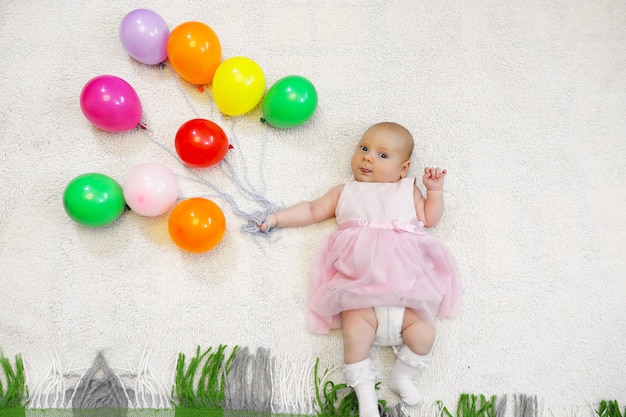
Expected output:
(196, 225)
(194, 51)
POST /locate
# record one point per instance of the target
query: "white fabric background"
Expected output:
(522, 101)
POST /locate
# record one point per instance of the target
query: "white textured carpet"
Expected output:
(524, 102)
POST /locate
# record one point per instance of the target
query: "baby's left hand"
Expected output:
(433, 178)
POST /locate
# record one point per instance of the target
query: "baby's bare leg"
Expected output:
(359, 331)
(418, 334)
(419, 337)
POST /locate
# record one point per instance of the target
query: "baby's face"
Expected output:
(380, 156)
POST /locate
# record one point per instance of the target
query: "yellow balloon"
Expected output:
(238, 85)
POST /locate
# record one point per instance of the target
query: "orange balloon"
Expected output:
(194, 51)
(196, 225)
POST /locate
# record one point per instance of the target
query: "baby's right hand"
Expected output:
(268, 223)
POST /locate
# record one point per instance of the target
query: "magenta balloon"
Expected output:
(144, 35)
(111, 104)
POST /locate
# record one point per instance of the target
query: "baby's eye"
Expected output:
(384, 155)
(364, 148)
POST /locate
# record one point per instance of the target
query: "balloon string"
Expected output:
(227, 165)
(258, 198)
(233, 138)
(263, 153)
(227, 168)
(252, 219)
(180, 89)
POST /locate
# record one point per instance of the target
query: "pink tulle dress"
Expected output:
(380, 255)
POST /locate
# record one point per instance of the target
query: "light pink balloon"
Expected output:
(151, 189)
(111, 104)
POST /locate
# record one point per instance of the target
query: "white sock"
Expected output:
(360, 376)
(405, 369)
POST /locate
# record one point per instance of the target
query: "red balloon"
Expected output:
(201, 143)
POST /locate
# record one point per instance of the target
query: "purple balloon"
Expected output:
(111, 104)
(144, 34)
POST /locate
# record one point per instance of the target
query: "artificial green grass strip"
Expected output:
(15, 393)
(13, 412)
(610, 409)
(198, 412)
(471, 405)
(210, 390)
(337, 400)
(99, 412)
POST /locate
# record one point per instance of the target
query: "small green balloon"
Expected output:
(93, 200)
(291, 101)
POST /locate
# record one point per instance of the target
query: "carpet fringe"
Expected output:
(255, 383)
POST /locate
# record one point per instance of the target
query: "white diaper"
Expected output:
(389, 331)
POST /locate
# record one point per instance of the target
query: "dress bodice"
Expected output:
(377, 201)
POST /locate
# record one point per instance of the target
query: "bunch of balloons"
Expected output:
(111, 104)
(151, 189)
(194, 51)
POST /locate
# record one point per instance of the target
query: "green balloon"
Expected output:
(291, 101)
(93, 200)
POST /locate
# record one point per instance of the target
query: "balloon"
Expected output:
(201, 143)
(93, 200)
(196, 225)
(144, 35)
(194, 51)
(291, 101)
(151, 189)
(238, 85)
(111, 104)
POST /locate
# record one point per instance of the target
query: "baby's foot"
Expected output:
(406, 368)
(406, 389)
(368, 401)
(360, 376)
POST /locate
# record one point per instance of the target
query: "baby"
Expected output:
(380, 276)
